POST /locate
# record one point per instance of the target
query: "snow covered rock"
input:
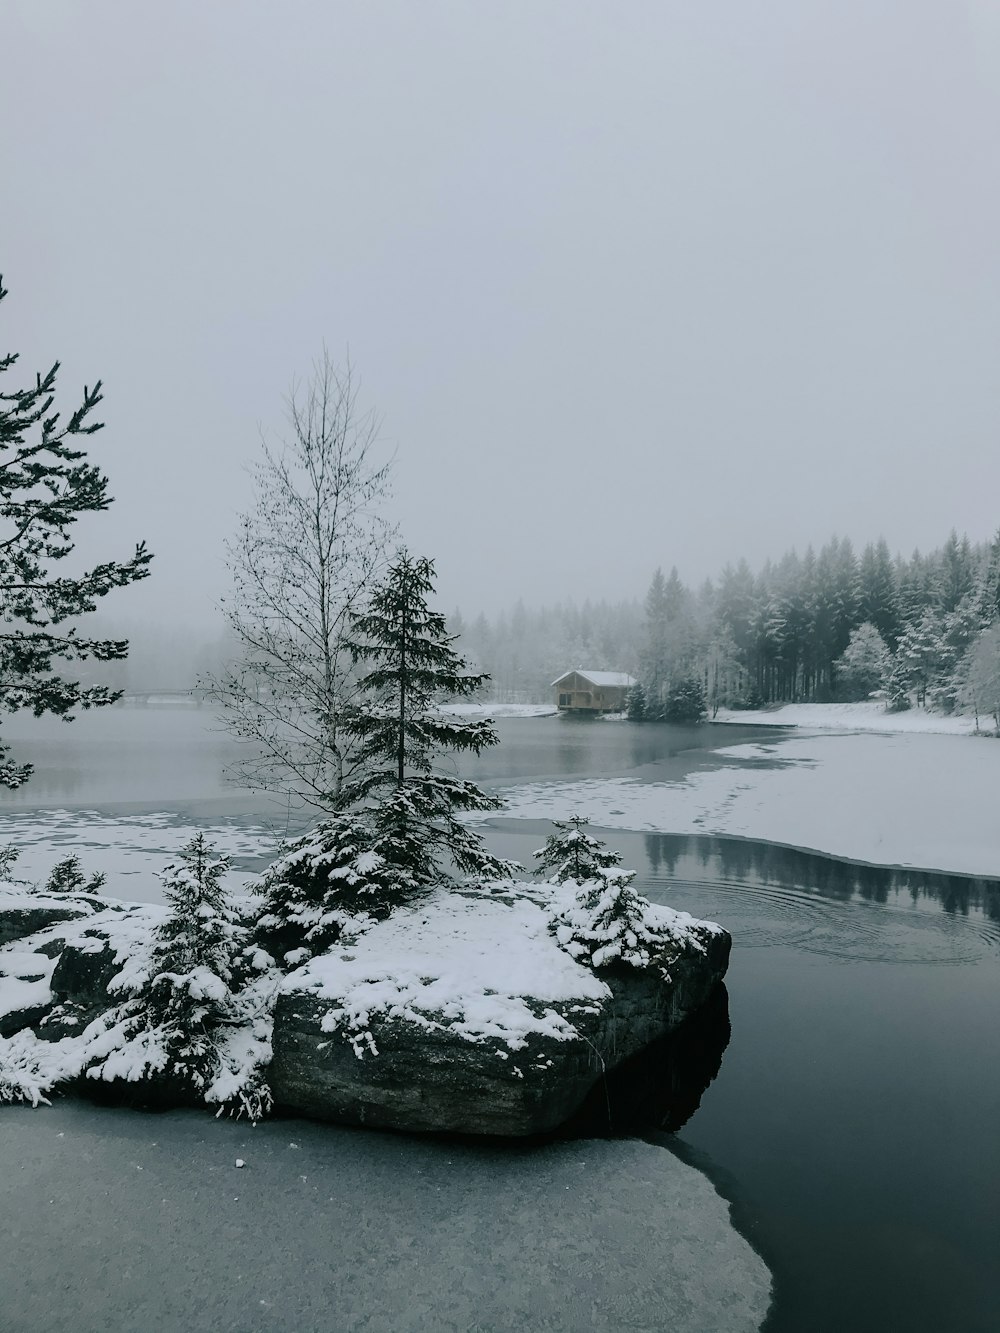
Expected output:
(55, 981)
(112, 945)
(34, 929)
(23, 913)
(24, 988)
(464, 1014)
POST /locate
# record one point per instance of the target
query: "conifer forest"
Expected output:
(832, 625)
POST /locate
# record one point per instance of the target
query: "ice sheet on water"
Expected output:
(914, 800)
(135, 845)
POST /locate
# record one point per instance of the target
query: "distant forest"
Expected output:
(816, 627)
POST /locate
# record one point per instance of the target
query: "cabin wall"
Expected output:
(576, 694)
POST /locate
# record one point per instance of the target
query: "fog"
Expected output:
(628, 286)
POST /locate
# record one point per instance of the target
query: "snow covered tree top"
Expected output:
(572, 854)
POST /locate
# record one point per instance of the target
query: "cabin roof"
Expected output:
(597, 677)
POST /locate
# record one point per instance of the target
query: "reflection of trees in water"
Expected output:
(663, 853)
(872, 883)
(749, 862)
(661, 1087)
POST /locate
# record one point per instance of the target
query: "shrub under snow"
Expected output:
(190, 1007)
(603, 920)
(328, 879)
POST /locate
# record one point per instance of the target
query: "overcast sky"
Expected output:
(630, 284)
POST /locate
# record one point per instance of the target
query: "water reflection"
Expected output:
(762, 864)
(661, 1087)
(563, 748)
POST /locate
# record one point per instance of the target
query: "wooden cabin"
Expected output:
(582, 691)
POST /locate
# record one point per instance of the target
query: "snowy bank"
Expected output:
(867, 716)
(903, 800)
(475, 710)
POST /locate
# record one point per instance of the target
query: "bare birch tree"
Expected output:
(300, 562)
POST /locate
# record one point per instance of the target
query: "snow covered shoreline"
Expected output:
(926, 801)
(854, 717)
(477, 710)
(865, 716)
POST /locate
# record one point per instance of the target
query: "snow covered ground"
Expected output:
(853, 717)
(498, 710)
(912, 800)
(467, 963)
(469, 959)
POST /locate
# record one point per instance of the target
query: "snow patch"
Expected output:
(925, 801)
(866, 716)
(476, 710)
(135, 846)
(486, 970)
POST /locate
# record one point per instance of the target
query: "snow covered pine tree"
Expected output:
(604, 921)
(403, 828)
(68, 877)
(412, 667)
(327, 881)
(192, 963)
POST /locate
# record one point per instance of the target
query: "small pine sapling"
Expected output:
(68, 877)
(635, 703)
(572, 854)
(896, 692)
(192, 961)
(685, 701)
(8, 859)
(604, 921)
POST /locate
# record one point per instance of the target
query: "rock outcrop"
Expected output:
(60, 956)
(420, 1068)
(23, 914)
(433, 1080)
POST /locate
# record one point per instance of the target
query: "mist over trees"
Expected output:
(163, 660)
(832, 625)
(525, 649)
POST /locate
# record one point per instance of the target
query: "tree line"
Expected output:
(832, 625)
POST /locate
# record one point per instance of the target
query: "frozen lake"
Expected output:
(852, 1123)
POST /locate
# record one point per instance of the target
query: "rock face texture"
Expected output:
(57, 958)
(433, 1079)
(83, 970)
(19, 919)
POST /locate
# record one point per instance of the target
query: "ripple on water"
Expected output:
(850, 930)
